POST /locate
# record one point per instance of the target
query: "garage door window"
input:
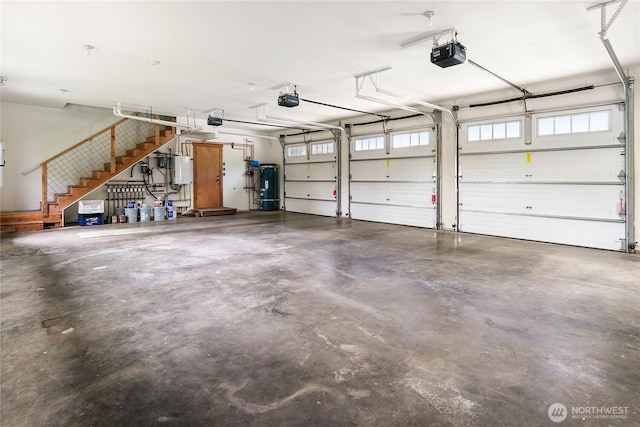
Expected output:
(595, 121)
(323, 148)
(369, 143)
(297, 151)
(493, 131)
(413, 139)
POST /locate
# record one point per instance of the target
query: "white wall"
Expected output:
(265, 151)
(34, 134)
(234, 180)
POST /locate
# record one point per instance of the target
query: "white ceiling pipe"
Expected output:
(362, 77)
(117, 110)
(262, 114)
(249, 135)
(318, 126)
(415, 101)
(435, 35)
(391, 104)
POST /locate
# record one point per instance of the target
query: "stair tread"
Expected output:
(22, 222)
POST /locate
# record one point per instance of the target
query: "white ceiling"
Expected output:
(212, 53)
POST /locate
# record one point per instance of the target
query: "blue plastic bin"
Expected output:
(90, 219)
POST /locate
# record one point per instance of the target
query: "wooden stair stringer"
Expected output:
(28, 221)
(101, 177)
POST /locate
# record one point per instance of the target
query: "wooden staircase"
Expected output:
(50, 214)
(100, 177)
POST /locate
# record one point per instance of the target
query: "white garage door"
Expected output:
(392, 178)
(310, 176)
(555, 177)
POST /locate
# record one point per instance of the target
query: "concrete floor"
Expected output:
(272, 319)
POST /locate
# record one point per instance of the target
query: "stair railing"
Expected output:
(92, 153)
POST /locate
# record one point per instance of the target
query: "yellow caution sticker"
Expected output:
(308, 165)
(388, 163)
(528, 157)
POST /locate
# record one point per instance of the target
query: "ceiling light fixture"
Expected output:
(429, 14)
(88, 48)
(154, 62)
(63, 92)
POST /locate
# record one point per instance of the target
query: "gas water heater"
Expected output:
(269, 193)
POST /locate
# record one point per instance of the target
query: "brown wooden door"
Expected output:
(207, 176)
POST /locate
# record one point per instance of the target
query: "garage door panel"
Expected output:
(577, 165)
(605, 235)
(310, 190)
(491, 146)
(369, 170)
(417, 217)
(494, 167)
(296, 172)
(392, 193)
(314, 207)
(565, 166)
(311, 171)
(540, 199)
(577, 140)
(414, 169)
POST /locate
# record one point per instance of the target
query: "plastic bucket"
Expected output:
(158, 213)
(171, 213)
(145, 214)
(132, 214)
